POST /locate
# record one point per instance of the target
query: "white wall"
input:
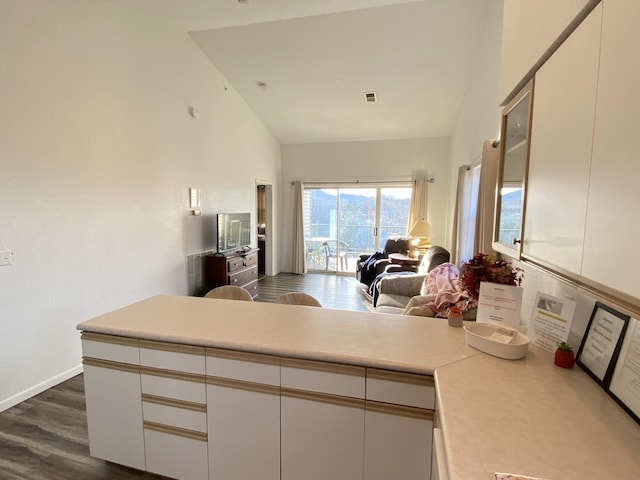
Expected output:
(367, 161)
(97, 152)
(479, 116)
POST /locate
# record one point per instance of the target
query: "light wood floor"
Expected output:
(45, 437)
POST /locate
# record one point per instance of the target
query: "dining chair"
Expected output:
(230, 292)
(298, 298)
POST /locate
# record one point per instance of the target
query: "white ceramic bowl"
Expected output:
(477, 336)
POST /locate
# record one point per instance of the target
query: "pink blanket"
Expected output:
(440, 290)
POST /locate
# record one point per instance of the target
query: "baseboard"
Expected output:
(39, 388)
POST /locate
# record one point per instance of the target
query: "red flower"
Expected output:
(486, 268)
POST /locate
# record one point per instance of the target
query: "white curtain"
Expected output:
(487, 197)
(455, 231)
(475, 206)
(467, 245)
(299, 263)
(418, 208)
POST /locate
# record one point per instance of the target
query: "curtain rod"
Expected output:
(360, 182)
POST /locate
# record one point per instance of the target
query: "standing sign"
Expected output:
(550, 321)
(499, 304)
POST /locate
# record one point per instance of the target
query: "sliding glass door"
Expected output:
(343, 222)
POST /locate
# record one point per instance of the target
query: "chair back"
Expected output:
(332, 249)
(397, 244)
(435, 256)
(298, 298)
(230, 292)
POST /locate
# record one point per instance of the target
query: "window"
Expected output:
(341, 223)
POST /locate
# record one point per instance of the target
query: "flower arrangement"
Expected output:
(487, 268)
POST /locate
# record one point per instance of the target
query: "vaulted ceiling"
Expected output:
(304, 66)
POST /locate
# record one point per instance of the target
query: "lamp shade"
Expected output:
(421, 229)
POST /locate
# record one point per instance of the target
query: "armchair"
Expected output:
(369, 266)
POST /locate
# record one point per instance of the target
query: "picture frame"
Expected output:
(601, 343)
(625, 383)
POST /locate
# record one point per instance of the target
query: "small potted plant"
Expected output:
(564, 356)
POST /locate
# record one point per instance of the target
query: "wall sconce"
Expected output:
(194, 201)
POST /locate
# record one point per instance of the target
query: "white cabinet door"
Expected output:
(322, 408)
(612, 228)
(114, 415)
(560, 157)
(438, 461)
(398, 442)
(322, 437)
(244, 432)
(398, 425)
(243, 415)
(112, 393)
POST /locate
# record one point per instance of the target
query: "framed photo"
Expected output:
(601, 343)
(625, 383)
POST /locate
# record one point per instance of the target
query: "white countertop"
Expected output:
(403, 343)
(530, 417)
(525, 416)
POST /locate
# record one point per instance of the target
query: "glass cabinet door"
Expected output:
(514, 159)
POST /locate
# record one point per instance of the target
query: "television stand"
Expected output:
(232, 268)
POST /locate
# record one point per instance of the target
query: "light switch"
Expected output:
(194, 198)
(6, 257)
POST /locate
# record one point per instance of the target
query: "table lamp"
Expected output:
(421, 231)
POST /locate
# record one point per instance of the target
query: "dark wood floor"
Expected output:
(332, 291)
(45, 437)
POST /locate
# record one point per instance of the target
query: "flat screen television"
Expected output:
(234, 231)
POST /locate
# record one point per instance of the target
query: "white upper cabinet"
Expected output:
(530, 28)
(612, 227)
(560, 152)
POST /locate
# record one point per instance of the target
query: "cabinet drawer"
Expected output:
(252, 288)
(235, 263)
(251, 259)
(247, 367)
(170, 356)
(244, 276)
(189, 388)
(334, 379)
(174, 455)
(400, 388)
(110, 347)
(187, 415)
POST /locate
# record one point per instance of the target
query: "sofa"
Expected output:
(395, 291)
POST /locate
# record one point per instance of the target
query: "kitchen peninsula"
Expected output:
(194, 388)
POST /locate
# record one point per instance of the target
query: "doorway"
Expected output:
(264, 225)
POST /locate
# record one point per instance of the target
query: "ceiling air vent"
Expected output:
(370, 97)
